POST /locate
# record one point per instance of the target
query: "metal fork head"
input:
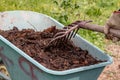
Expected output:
(67, 33)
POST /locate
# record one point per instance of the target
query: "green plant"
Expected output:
(68, 11)
(93, 11)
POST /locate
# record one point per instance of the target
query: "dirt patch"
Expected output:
(112, 72)
(61, 57)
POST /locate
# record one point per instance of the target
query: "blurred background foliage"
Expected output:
(68, 11)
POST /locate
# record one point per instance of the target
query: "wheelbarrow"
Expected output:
(22, 67)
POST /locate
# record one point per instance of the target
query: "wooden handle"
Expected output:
(99, 28)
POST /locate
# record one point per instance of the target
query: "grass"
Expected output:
(67, 11)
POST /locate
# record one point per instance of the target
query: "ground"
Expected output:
(112, 72)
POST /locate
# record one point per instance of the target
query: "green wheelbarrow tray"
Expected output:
(22, 67)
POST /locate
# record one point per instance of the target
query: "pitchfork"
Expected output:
(67, 33)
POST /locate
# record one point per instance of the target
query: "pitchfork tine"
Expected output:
(67, 33)
(75, 32)
(60, 33)
(71, 35)
(68, 36)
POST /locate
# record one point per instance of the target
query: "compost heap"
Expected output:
(61, 57)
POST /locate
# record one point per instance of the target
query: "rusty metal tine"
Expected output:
(71, 35)
(58, 34)
(75, 32)
(56, 42)
(58, 37)
(67, 32)
(64, 38)
(68, 36)
(59, 40)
